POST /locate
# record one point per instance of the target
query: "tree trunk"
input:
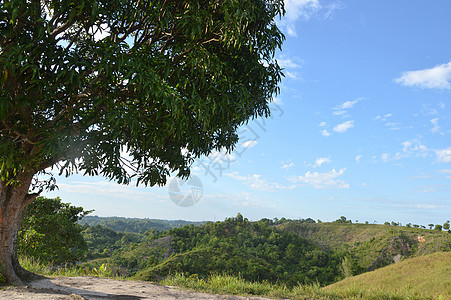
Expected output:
(13, 200)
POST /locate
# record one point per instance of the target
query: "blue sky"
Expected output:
(361, 127)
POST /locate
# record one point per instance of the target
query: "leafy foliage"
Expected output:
(50, 233)
(90, 78)
(126, 89)
(253, 250)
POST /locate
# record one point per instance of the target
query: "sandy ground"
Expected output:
(74, 288)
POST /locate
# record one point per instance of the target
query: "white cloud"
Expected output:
(384, 157)
(322, 180)
(406, 145)
(288, 63)
(444, 155)
(341, 109)
(248, 144)
(343, 127)
(339, 112)
(305, 9)
(384, 117)
(436, 127)
(257, 182)
(112, 189)
(348, 104)
(322, 160)
(322, 124)
(391, 125)
(298, 9)
(414, 146)
(437, 77)
(292, 75)
(222, 155)
(358, 158)
(427, 206)
(276, 100)
(325, 133)
(422, 206)
(287, 166)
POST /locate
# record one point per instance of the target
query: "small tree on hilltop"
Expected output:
(446, 225)
(83, 82)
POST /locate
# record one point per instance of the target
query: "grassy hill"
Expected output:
(255, 251)
(371, 246)
(425, 277)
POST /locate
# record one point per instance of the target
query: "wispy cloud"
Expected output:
(287, 165)
(298, 9)
(348, 104)
(447, 172)
(358, 158)
(257, 182)
(444, 155)
(322, 180)
(385, 118)
(277, 101)
(341, 109)
(248, 144)
(112, 189)
(413, 146)
(304, 10)
(436, 127)
(325, 133)
(343, 127)
(437, 77)
(289, 63)
(322, 160)
(421, 206)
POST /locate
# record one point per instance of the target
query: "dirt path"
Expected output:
(65, 288)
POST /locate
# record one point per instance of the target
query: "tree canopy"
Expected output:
(126, 89)
(49, 232)
(164, 81)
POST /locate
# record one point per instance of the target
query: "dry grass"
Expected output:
(426, 277)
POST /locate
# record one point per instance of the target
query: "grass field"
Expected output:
(426, 277)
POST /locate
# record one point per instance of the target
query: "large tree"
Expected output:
(83, 82)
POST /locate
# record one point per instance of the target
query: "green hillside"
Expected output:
(135, 225)
(369, 246)
(425, 277)
(253, 250)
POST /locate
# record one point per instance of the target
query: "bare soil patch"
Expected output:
(79, 288)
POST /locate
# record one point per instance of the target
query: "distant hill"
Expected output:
(371, 246)
(255, 251)
(425, 277)
(135, 225)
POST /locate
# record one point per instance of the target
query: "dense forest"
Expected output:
(135, 225)
(281, 251)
